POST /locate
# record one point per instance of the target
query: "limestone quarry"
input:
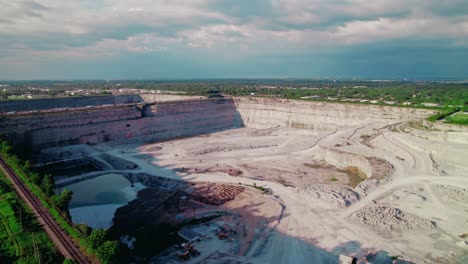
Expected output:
(254, 180)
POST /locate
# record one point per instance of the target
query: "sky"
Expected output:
(151, 39)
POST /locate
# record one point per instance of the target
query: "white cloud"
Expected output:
(107, 27)
(413, 27)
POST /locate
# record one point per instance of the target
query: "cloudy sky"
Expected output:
(117, 39)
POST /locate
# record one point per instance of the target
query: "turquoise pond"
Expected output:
(102, 190)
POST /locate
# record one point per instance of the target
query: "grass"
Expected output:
(59, 217)
(21, 238)
(461, 116)
(447, 114)
(355, 175)
(260, 188)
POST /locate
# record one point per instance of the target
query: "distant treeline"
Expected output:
(445, 94)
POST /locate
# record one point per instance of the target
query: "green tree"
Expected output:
(69, 261)
(27, 166)
(108, 251)
(97, 238)
(84, 229)
(35, 177)
(48, 184)
(63, 200)
(6, 148)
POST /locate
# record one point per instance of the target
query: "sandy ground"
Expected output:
(419, 211)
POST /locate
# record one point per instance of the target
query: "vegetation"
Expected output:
(43, 189)
(452, 116)
(62, 200)
(459, 118)
(420, 94)
(21, 238)
(413, 93)
(442, 114)
(69, 261)
(260, 188)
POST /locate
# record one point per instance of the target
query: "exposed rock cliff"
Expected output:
(269, 112)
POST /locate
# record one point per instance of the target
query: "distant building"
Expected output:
(407, 103)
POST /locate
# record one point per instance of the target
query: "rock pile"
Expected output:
(454, 193)
(228, 149)
(337, 196)
(388, 218)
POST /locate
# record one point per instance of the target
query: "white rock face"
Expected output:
(268, 112)
(342, 159)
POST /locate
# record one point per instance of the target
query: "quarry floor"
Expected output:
(313, 212)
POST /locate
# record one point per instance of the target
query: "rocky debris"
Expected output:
(383, 217)
(263, 132)
(118, 163)
(156, 181)
(216, 194)
(229, 170)
(380, 168)
(337, 196)
(153, 148)
(367, 186)
(454, 193)
(228, 149)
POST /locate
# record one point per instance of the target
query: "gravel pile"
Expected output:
(454, 193)
(337, 196)
(228, 149)
(390, 218)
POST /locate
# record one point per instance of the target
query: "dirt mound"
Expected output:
(216, 194)
(263, 132)
(383, 217)
(454, 193)
(226, 169)
(380, 167)
(228, 149)
(337, 196)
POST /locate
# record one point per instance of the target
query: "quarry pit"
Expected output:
(254, 180)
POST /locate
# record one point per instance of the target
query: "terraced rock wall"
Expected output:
(268, 112)
(71, 102)
(121, 123)
(140, 121)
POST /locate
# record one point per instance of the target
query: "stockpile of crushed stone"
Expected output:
(384, 217)
(454, 193)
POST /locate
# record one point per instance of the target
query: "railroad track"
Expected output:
(61, 240)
